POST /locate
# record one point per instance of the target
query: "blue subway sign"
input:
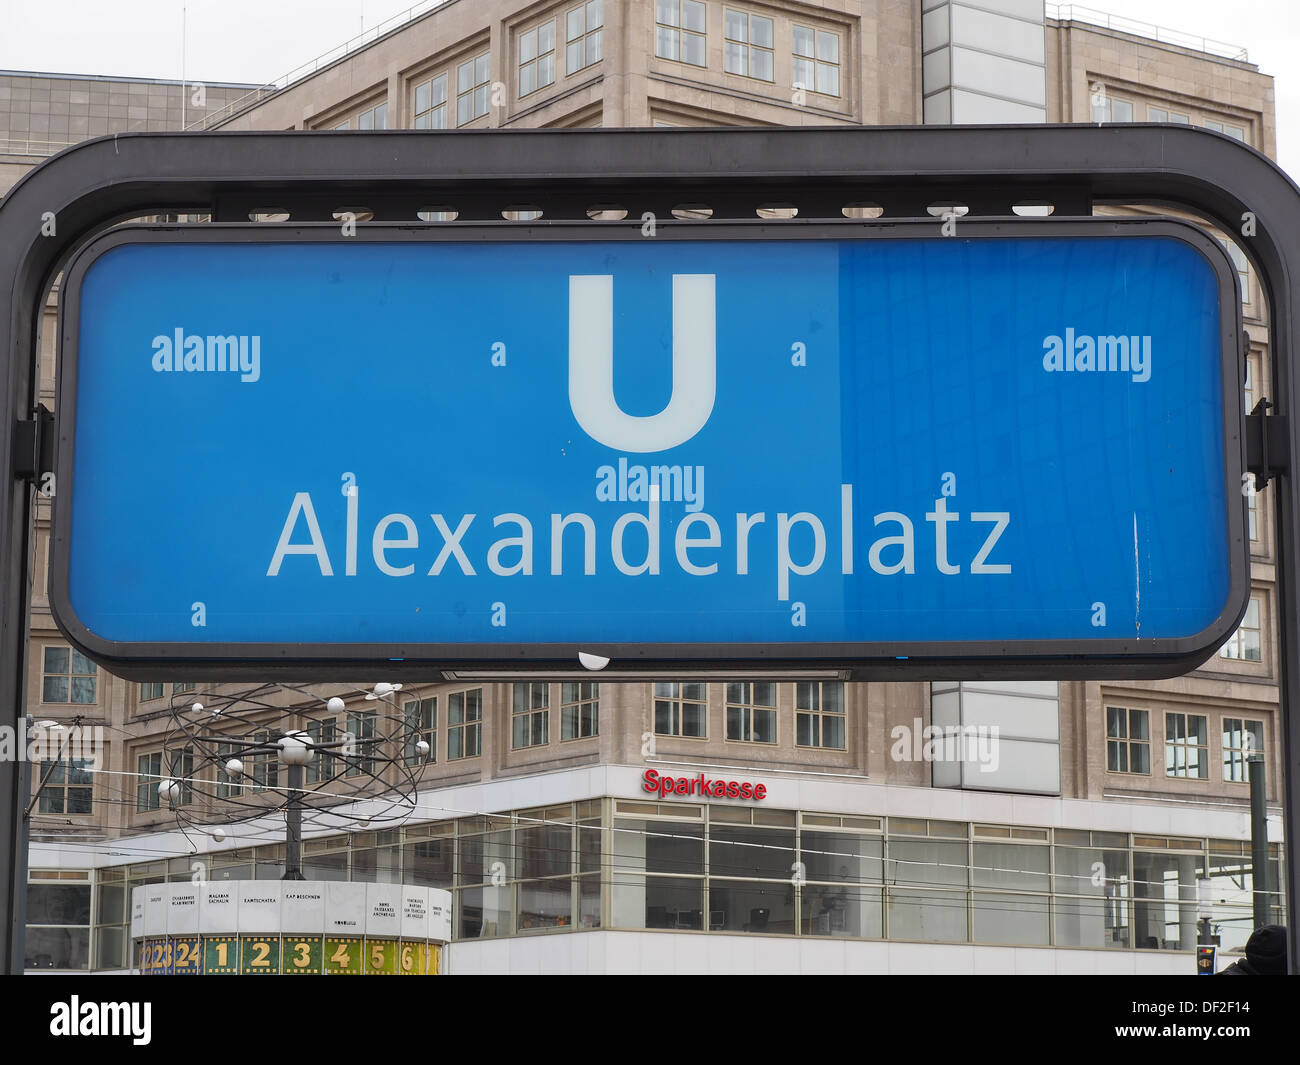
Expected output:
(1013, 450)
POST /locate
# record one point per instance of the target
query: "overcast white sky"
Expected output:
(259, 40)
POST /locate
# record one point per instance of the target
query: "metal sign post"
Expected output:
(64, 204)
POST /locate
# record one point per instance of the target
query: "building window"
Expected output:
(1244, 644)
(1238, 258)
(263, 767)
(431, 103)
(1159, 114)
(375, 118)
(473, 86)
(421, 724)
(819, 714)
(1237, 132)
(537, 58)
(58, 928)
(1128, 740)
(181, 688)
(152, 689)
(751, 711)
(1241, 739)
(149, 773)
(582, 35)
(1187, 746)
(681, 709)
(465, 724)
(579, 710)
(228, 787)
(324, 765)
(680, 31)
(1106, 109)
(69, 677)
(66, 785)
(817, 60)
(530, 716)
(361, 727)
(748, 45)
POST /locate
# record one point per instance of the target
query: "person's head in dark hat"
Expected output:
(1266, 950)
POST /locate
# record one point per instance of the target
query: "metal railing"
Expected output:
(13, 146)
(361, 40)
(1079, 13)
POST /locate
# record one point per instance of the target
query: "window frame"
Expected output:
(678, 703)
(1240, 641)
(1127, 741)
(466, 726)
(820, 714)
(423, 726)
(472, 93)
(68, 675)
(679, 31)
(747, 46)
(816, 60)
(1184, 744)
(535, 64)
(62, 768)
(1237, 756)
(749, 708)
(584, 39)
(435, 108)
(530, 719)
(584, 707)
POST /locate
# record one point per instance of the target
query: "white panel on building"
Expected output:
(345, 909)
(219, 907)
(996, 736)
(983, 61)
(1017, 39)
(440, 915)
(998, 76)
(302, 907)
(384, 910)
(183, 910)
(415, 912)
(969, 108)
(259, 905)
(137, 912)
(156, 897)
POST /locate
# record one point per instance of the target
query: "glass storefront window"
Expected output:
(1000, 917)
(1011, 866)
(739, 850)
(1164, 901)
(429, 862)
(748, 906)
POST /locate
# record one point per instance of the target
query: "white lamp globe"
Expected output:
(234, 768)
(219, 834)
(168, 791)
(197, 708)
(335, 705)
(295, 748)
(422, 747)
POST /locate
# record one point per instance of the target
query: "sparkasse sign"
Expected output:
(1020, 445)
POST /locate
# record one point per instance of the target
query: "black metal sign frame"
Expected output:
(394, 175)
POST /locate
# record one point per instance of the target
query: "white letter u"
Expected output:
(591, 365)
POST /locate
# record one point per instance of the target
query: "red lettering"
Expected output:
(760, 791)
(650, 780)
(734, 790)
(746, 790)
